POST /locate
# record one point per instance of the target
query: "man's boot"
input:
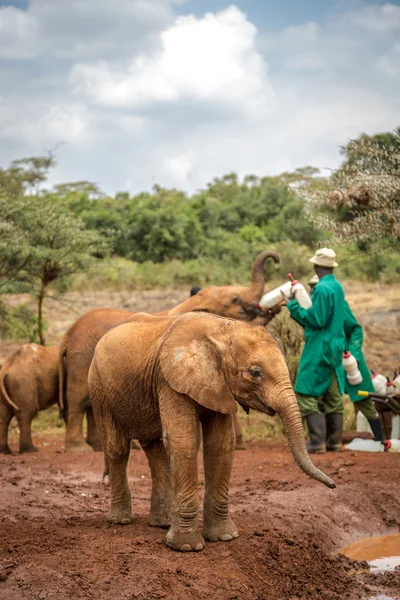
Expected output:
(376, 426)
(317, 431)
(334, 431)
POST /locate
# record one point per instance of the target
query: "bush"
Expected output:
(18, 323)
(290, 337)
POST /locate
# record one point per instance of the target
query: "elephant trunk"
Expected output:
(256, 289)
(291, 418)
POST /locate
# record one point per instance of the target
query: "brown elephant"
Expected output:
(79, 342)
(28, 384)
(158, 380)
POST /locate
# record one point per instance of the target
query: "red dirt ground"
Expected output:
(56, 545)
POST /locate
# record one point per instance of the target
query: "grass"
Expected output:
(256, 426)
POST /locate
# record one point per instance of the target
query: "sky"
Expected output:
(131, 93)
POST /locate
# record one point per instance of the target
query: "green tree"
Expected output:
(59, 245)
(361, 201)
(41, 241)
(162, 226)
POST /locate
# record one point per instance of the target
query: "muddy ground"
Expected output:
(56, 545)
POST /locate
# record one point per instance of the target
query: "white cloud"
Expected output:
(72, 29)
(178, 168)
(209, 59)
(142, 95)
(376, 18)
(390, 62)
(18, 32)
(42, 125)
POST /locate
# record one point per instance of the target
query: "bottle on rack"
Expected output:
(365, 445)
(274, 297)
(379, 382)
(350, 364)
(391, 389)
(392, 445)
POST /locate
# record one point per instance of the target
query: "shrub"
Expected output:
(19, 323)
(290, 337)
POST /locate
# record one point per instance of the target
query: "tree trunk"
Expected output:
(41, 297)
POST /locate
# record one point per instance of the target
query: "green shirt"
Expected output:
(354, 342)
(324, 338)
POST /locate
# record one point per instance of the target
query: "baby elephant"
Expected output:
(28, 383)
(157, 379)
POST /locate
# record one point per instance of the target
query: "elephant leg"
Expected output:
(121, 507)
(5, 418)
(93, 438)
(25, 432)
(160, 506)
(218, 444)
(77, 394)
(181, 431)
(238, 433)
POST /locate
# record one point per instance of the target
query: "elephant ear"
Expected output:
(191, 362)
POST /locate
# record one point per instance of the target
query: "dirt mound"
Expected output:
(55, 543)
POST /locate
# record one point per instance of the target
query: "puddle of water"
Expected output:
(382, 553)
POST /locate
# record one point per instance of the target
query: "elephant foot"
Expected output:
(80, 446)
(5, 450)
(120, 516)
(134, 445)
(160, 518)
(185, 541)
(220, 531)
(24, 449)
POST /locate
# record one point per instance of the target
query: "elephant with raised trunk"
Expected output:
(28, 384)
(79, 342)
(158, 380)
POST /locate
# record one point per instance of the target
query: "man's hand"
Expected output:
(285, 299)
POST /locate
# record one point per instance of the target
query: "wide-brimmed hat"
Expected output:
(314, 280)
(325, 258)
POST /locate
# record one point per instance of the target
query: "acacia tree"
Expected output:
(361, 201)
(14, 243)
(60, 245)
(41, 241)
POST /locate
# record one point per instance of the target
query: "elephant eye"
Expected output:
(255, 372)
(235, 300)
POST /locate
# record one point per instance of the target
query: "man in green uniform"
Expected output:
(320, 383)
(330, 328)
(354, 342)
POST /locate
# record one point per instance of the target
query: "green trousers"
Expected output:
(332, 403)
(329, 403)
(367, 408)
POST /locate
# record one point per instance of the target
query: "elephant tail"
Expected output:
(4, 392)
(62, 404)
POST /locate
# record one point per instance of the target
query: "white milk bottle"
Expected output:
(350, 364)
(365, 445)
(274, 297)
(392, 445)
(379, 382)
(300, 293)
